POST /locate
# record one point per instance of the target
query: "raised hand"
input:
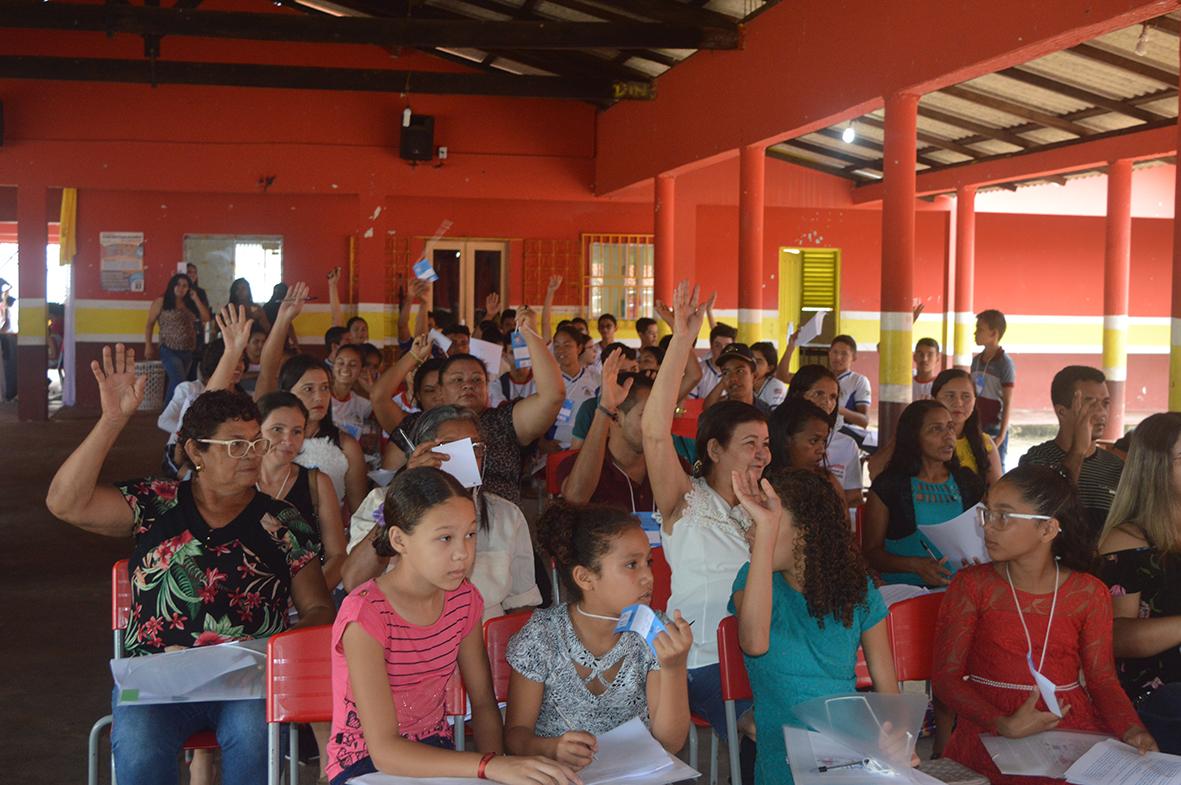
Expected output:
(1027, 720)
(293, 303)
(527, 319)
(334, 274)
(761, 502)
(688, 310)
(235, 328)
(576, 749)
(120, 390)
(555, 283)
(421, 347)
(419, 289)
(491, 305)
(664, 312)
(612, 393)
(672, 646)
(422, 456)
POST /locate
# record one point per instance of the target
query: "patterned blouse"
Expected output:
(1156, 577)
(193, 585)
(546, 650)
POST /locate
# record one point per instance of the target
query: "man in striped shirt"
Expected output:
(1081, 400)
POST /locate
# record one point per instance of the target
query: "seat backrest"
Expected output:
(299, 675)
(497, 633)
(861, 669)
(911, 625)
(120, 596)
(685, 421)
(735, 684)
(552, 462)
(662, 579)
(455, 702)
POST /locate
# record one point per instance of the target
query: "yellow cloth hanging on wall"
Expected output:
(69, 226)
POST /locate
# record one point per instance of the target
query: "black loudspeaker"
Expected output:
(418, 138)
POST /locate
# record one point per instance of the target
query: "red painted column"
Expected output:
(751, 195)
(1175, 307)
(898, 205)
(32, 234)
(1117, 264)
(965, 274)
(664, 262)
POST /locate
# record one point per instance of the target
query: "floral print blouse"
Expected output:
(193, 585)
(1156, 577)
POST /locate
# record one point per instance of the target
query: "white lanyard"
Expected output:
(1021, 616)
(630, 491)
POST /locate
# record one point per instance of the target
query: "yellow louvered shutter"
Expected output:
(820, 279)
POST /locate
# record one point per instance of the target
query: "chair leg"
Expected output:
(460, 729)
(733, 743)
(92, 750)
(293, 764)
(693, 746)
(274, 763)
(713, 758)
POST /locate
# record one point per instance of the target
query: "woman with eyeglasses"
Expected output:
(504, 567)
(1138, 561)
(923, 484)
(1034, 609)
(213, 560)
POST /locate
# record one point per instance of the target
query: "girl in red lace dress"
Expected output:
(1035, 599)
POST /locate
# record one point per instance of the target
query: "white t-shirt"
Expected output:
(350, 415)
(920, 391)
(579, 388)
(844, 460)
(173, 415)
(854, 389)
(710, 376)
(503, 571)
(515, 391)
(773, 393)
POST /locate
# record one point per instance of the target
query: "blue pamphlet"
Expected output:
(424, 272)
(643, 621)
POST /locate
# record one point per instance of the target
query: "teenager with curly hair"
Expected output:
(805, 603)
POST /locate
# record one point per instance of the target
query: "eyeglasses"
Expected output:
(240, 448)
(1001, 520)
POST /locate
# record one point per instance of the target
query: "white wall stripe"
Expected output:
(1116, 322)
(894, 393)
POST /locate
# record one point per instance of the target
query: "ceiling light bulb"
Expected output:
(1142, 41)
(848, 135)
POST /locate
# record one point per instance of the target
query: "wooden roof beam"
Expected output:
(780, 155)
(987, 131)
(415, 33)
(838, 155)
(1140, 68)
(96, 69)
(929, 138)
(1016, 109)
(1020, 74)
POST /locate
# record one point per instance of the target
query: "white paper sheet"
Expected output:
(897, 592)
(1046, 687)
(440, 340)
(812, 328)
(461, 462)
(959, 539)
(488, 353)
(382, 477)
(627, 755)
(227, 671)
(1112, 762)
(1047, 754)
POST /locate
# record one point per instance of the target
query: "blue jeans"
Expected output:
(147, 740)
(705, 697)
(176, 369)
(1161, 713)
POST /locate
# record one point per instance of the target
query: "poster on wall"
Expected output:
(122, 261)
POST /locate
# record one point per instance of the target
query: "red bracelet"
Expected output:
(483, 765)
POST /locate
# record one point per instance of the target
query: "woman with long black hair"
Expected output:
(178, 332)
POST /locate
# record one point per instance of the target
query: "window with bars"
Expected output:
(619, 270)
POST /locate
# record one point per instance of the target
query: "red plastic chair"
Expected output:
(120, 615)
(864, 682)
(685, 421)
(497, 633)
(735, 687)
(552, 462)
(911, 626)
(299, 690)
(662, 577)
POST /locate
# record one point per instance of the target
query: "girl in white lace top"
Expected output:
(703, 527)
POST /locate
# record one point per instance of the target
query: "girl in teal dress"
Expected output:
(804, 604)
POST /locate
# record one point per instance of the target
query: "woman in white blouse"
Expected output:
(504, 568)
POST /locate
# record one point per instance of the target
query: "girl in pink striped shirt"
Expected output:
(398, 639)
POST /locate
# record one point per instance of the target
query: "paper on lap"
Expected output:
(1112, 762)
(1047, 754)
(227, 671)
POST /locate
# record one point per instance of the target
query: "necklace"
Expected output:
(282, 486)
(578, 607)
(1021, 615)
